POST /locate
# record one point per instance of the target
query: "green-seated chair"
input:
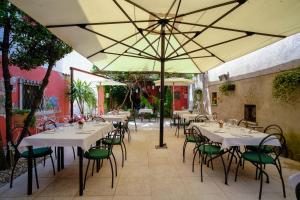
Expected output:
(40, 152)
(118, 140)
(99, 153)
(207, 148)
(191, 136)
(260, 158)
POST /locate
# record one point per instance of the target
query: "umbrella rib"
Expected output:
(118, 54)
(107, 37)
(126, 51)
(151, 43)
(139, 30)
(157, 50)
(230, 29)
(120, 41)
(215, 21)
(97, 23)
(184, 49)
(192, 57)
(205, 9)
(213, 45)
(170, 9)
(142, 8)
(199, 46)
(173, 24)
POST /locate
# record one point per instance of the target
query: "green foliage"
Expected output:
(168, 103)
(84, 93)
(293, 141)
(23, 112)
(286, 86)
(117, 95)
(226, 88)
(145, 102)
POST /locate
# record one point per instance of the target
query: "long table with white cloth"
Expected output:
(232, 137)
(66, 137)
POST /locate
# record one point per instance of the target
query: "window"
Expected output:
(250, 113)
(29, 91)
(214, 98)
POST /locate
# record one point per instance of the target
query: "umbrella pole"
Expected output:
(173, 100)
(71, 92)
(162, 86)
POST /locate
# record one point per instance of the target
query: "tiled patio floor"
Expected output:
(152, 174)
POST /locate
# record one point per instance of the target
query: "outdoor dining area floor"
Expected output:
(151, 173)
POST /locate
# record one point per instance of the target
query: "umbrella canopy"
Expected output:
(175, 82)
(126, 35)
(111, 82)
(182, 36)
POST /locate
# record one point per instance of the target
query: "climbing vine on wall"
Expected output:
(286, 86)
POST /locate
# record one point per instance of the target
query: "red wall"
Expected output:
(182, 103)
(57, 88)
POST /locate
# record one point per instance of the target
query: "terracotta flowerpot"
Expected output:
(18, 119)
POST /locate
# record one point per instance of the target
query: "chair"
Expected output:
(200, 118)
(207, 148)
(132, 117)
(100, 152)
(262, 157)
(191, 136)
(117, 138)
(36, 153)
(99, 119)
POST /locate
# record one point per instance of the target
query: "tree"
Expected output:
(27, 45)
(83, 93)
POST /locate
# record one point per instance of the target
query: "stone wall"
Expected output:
(256, 89)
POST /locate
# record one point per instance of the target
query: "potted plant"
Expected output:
(226, 88)
(19, 116)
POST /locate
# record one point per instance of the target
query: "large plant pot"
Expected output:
(18, 119)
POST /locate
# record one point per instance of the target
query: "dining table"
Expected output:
(232, 137)
(68, 136)
(115, 117)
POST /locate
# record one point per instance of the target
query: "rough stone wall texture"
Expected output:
(258, 91)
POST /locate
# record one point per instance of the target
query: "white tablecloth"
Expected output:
(145, 110)
(114, 118)
(230, 136)
(179, 112)
(68, 136)
(126, 113)
(188, 117)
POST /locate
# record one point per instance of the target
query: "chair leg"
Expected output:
(12, 172)
(183, 151)
(211, 161)
(112, 173)
(55, 152)
(237, 169)
(125, 149)
(282, 181)
(44, 161)
(224, 167)
(93, 167)
(201, 166)
(74, 155)
(53, 167)
(86, 171)
(261, 181)
(36, 176)
(115, 163)
(122, 155)
(194, 160)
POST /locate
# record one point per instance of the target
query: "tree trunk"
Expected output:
(39, 95)
(125, 98)
(8, 87)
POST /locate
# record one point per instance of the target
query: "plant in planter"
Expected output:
(286, 86)
(19, 115)
(226, 88)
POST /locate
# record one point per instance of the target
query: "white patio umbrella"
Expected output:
(181, 36)
(175, 81)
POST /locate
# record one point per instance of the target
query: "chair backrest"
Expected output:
(199, 138)
(201, 118)
(99, 119)
(273, 128)
(16, 136)
(49, 125)
(267, 141)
